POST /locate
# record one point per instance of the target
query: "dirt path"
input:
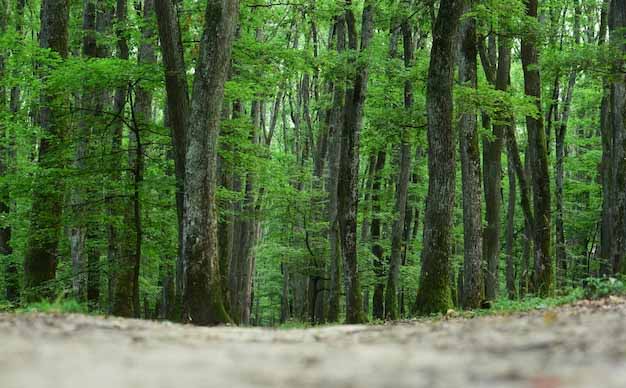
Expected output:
(575, 346)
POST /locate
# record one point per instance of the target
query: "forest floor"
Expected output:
(580, 345)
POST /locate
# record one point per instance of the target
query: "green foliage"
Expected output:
(277, 46)
(597, 288)
(58, 306)
(504, 306)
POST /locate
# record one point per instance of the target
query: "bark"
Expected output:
(526, 279)
(539, 160)
(605, 165)
(177, 108)
(203, 298)
(392, 310)
(614, 147)
(285, 311)
(334, 155)
(366, 226)
(495, 64)
(349, 163)
(40, 259)
(510, 232)
(378, 308)
(472, 291)
(521, 174)
(434, 294)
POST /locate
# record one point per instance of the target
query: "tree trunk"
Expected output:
(178, 111)
(40, 259)
(348, 196)
(87, 102)
(285, 311)
(334, 155)
(378, 308)
(141, 120)
(539, 160)
(392, 310)
(203, 298)
(616, 103)
(122, 268)
(434, 294)
(472, 291)
(510, 232)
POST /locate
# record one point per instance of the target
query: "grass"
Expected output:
(506, 306)
(59, 306)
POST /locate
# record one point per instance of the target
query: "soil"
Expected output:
(581, 345)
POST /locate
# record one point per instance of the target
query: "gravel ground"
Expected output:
(582, 345)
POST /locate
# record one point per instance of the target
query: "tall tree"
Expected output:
(141, 117)
(398, 237)
(178, 107)
(561, 130)
(544, 276)
(378, 308)
(334, 154)
(120, 258)
(40, 260)
(472, 292)
(79, 230)
(349, 163)
(5, 158)
(434, 294)
(203, 298)
(614, 135)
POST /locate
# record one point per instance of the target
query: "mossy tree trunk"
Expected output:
(203, 299)
(434, 294)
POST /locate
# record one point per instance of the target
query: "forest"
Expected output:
(261, 162)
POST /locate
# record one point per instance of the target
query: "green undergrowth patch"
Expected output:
(59, 306)
(596, 288)
(530, 303)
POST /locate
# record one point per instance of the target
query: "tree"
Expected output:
(177, 108)
(392, 309)
(434, 293)
(613, 137)
(561, 130)
(204, 304)
(6, 250)
(544, 276)
(378, 307)
(472, 292)
(334, 156)
(121, 260)
(348, 196)
(40, 260)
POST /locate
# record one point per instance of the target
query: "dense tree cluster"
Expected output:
(259, 162)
